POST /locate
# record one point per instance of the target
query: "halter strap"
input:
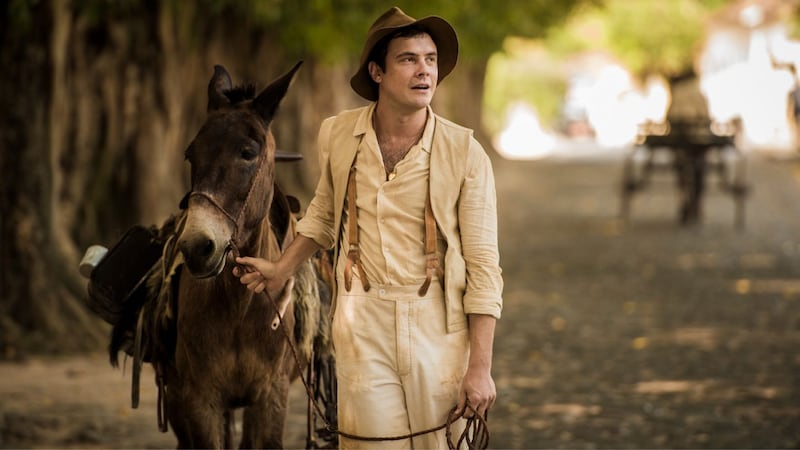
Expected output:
(432, 265)
(233, 244)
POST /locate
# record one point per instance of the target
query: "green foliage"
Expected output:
(648, 36)
(331, 30)
(655, 36)
(794, 24)
(97, 12)
(20, 14)
(522, 72)
(482, 25)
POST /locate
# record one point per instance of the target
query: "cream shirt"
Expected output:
(391, 225)
(463, 199)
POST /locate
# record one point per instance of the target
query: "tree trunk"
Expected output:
(320, 91)
(40, 308)
(460, 99)
(96, 117)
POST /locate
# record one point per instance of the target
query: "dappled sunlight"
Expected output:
(704, 338)
(523, 137)
(788, 288)
(570, 411)
(605, 98)
(694, 261)
(672, 386)
(613, 109)
(746, 73)
(612, 102)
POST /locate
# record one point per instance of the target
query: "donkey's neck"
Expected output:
(262, 243)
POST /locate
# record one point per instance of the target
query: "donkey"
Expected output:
(230, 350)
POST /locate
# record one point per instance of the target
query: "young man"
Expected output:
(407, 199)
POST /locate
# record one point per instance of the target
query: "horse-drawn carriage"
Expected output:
(692, 149)
(692, 145)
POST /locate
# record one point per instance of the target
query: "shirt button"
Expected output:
(383, 291)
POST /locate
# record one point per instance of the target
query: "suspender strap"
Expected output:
(354, 253)
(432, 265)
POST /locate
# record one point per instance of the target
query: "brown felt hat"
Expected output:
(392, 20)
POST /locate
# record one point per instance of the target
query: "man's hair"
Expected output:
(380, 50)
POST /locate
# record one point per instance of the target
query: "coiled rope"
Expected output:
(475, 434)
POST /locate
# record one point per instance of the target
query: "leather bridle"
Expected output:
(236, 221)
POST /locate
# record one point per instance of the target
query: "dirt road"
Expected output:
(639, 336)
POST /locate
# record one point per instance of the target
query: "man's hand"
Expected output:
(477, 388)
(258, 275)
(478, 391)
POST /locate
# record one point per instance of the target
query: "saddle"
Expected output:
(118, 285)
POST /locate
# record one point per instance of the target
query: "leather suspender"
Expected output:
(432, 265)
(354, 253)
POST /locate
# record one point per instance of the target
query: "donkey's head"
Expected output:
(232, 171)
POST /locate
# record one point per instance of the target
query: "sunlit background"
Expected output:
(595, 99)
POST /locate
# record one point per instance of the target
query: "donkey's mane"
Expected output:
(241, 93)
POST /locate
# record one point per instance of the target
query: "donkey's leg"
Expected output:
(196, 421)
(262, 424)
(229, 418)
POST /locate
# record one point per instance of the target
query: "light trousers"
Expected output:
(398, 370)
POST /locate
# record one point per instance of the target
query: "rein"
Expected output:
(475, 434)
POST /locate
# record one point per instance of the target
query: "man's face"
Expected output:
(412, 70)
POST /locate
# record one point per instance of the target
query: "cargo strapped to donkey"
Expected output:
(122, 270)
(134, 288)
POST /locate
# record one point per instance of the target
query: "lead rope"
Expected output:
(169, 247)
(475, 434)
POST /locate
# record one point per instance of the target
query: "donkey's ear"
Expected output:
(220, 82)
(268, 100)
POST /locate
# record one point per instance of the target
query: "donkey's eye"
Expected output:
(249, 153)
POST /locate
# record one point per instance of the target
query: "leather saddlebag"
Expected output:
(122, 272)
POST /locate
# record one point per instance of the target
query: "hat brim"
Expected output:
(443, 35)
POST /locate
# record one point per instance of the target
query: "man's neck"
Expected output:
(393, 123)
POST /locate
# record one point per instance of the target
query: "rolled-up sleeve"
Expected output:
(477, 211)
(318, 221)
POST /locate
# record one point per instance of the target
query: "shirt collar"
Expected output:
(364, 123)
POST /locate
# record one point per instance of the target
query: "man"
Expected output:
(407, 199)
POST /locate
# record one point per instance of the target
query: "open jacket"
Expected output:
(463, 200)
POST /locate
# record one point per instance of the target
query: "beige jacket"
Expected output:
(463, 199)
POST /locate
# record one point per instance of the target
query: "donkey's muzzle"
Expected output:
(203, 256)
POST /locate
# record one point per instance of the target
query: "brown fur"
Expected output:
(226, 354)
